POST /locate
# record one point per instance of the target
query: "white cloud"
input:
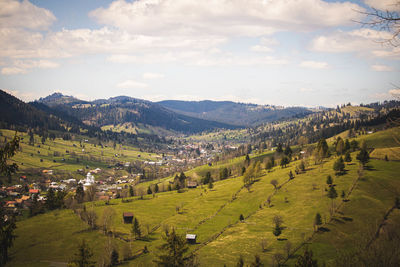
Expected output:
(384, 5)
(25, 96)
(12, 71)
(314, 64)
(232, 18)
(306, 90)
(395, 93)
(22, 66)
(366, 42)
(265, 45)
(378, 67)
(148, 31)
(261, 48)
(131, 84)
(152, 76)
(16, 14)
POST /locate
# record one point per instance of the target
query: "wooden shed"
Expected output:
(191, 238)
(128, 217)
(191, 184)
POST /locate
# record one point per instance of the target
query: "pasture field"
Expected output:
(77, 154)
(213, 215)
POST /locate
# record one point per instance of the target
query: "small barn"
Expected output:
(191, 238)
(128, 217)
(191, 184)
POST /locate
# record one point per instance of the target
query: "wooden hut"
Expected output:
(128, 217)
(191, 238)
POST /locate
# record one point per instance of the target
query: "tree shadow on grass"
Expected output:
(337, 220)
(369, 168)
(87, 230)
(347, 219)
(323, 229)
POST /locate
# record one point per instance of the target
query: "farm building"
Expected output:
(128, 217)
(191, 238)
(191, 184)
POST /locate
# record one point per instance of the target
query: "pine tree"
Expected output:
(306, 260)
(131, 193)
(363, 156)
(347, 157)
(279, 148)
(79, 193)
(210, 184)
(340, 147)
(317, 220)
(83, 257)
(149, 190)
(329, 180)
(174, 249)
(277, 230)
(51, 199)
(338, 166)
(247, 160)
(332, 194)
(240, 262)
(114, 257)
(136, 228)
(257, 262)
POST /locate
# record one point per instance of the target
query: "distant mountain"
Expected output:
(239, 114)
(59, 99)
(124, 109)
(18, 114)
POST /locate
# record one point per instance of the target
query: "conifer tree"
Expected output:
(136, 228)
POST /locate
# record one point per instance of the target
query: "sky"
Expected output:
(277, 52)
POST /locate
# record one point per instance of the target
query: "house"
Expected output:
(104, 198)
(33, 191)
(128, 217)
(191, 184)
(49, 172)
(191, 238)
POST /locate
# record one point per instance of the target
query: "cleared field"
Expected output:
(77, 154)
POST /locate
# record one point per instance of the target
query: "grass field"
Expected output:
(214, 216)
(89, 154)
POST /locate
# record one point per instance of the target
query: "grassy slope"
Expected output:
(93, 156)
(210, 213)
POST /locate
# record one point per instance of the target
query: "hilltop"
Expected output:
(122, 110)
(240, 114)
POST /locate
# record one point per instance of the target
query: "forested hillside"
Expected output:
(240, 114)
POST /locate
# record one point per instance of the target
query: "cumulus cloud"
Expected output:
(314, 64)
(362, 41)
(148, 31)
(265, 45)
(16, 14)
(235, 17)
(128, 84)
(152, 75)
(384, 5)
(22, 66)
(378, 67)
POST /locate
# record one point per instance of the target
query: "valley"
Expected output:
(231, 188)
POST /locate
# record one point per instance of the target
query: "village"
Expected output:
(113, 182)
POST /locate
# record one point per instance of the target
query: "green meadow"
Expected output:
(50, 155)
(213, 215)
